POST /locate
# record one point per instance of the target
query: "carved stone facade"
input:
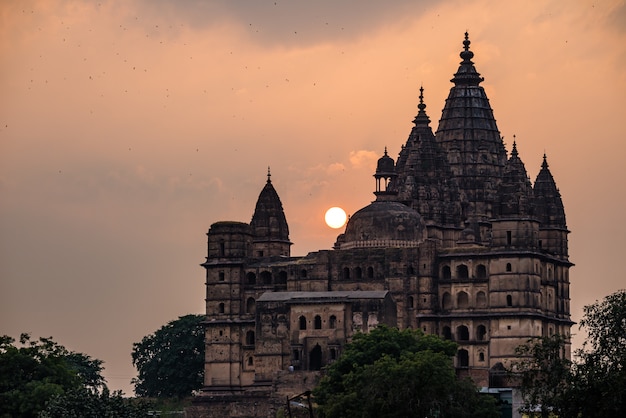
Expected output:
(458, 243)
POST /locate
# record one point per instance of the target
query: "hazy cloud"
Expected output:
(364, 159)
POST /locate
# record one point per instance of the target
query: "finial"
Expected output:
(385, 150)
(545, 161)
(466, 54)
(421, 106)
(268, 174)
(422, 117)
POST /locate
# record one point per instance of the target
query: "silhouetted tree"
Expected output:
(391, 373)
(594, 385)
(37, 371)
(170, 362)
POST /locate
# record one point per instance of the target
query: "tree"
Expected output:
(601, 371)
(594, 385)
(545, 376)
(37, 371)
(83, 403)
(391, 373)
(170, 362)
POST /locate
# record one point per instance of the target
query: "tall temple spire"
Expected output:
(469, 135)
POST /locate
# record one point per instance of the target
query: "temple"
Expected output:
(458, 242)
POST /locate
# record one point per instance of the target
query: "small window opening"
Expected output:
(358, 273)
(318, 322)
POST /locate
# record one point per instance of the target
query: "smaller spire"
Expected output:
(268, 174)
(514, 150)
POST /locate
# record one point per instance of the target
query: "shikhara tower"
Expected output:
(458, 242)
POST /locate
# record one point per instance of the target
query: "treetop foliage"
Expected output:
(393, 373)
(594, 384)
(170, 362)
(34, 372)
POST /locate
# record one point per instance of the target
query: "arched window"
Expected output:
(358, 273)
(221, 308)
(446, 301)
(462, 271)
(462, 358)
(303, 273)
(266, 277)
(333, 354)
(462, 333)
(332, 322)
(282, 277)
(481, 299)
(481, 332)
(250, 338)
(251, 278)
(446, 333)
(481, 356)
(222, 248)
(411, 302)
(346, 273)
(509, 300)
(481, 271)
(317, 322)
(250, 361)
(410, 270)
(509, 267)
(446, 273)
(303, 322)
(250, 306)
(462, 300)
(370, 272)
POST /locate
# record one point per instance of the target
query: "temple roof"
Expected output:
(331, 296)
(425, 181)
(548, 203)
(269, 222)
(515, 191)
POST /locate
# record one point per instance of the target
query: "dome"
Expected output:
(386, 165)
(383, 224)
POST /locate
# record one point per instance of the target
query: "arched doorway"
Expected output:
(315, 358)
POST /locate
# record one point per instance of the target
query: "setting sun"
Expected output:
(335, 217)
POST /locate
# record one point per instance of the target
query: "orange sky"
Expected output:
(128, 127)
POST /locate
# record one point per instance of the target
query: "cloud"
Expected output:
(364, 159)
(286, 23)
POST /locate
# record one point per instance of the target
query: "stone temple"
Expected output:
(458, 242)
